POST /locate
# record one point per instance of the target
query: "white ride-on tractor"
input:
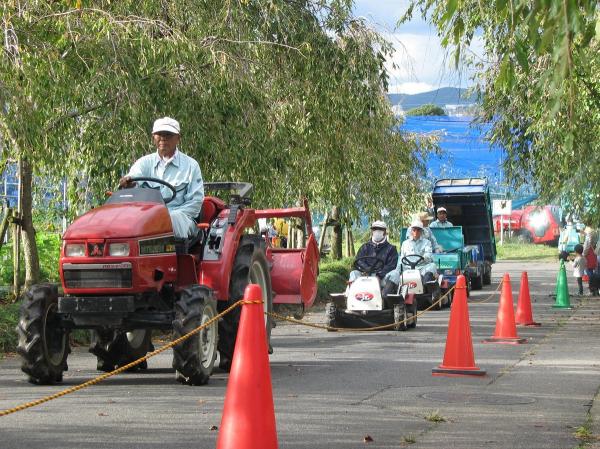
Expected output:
(414, 289)
(362, 304)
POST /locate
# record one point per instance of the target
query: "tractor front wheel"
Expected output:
(43, 342)
(249, 267)
(331, 313)
(400, 317)
(194, 358)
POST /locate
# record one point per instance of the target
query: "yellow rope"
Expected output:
(366, 329)
(129, 365)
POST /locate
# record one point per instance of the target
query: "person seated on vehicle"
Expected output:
(176, 168)
(442, 219)
(416, 244)
(425, 218)
(378, 247)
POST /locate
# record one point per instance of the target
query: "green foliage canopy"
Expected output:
(287, 95)
(539, 84)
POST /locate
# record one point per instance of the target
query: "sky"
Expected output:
(422, 64)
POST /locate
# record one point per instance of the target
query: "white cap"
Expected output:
(417, 224)
(442, 209)
(167, 124)
(378, 224)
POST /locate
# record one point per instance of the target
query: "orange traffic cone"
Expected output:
(458, 356)
(248, 420)
(523, 316)
(506, 329)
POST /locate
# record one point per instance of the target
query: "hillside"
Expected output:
(439, 97)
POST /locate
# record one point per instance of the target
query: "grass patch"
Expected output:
(409, 439)
(526, 251)
(435, 417)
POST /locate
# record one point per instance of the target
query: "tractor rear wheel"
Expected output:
(249, 267)
(114, 349)
(400, 317)
(43, 342)
(194, 358)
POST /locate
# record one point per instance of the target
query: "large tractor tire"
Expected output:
(250, 266)
(194, 358)
(114, 349)
(43, 342)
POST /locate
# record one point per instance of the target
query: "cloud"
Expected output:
(419, 62)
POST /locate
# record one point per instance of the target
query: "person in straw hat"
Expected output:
(425, 218)
(416, 244)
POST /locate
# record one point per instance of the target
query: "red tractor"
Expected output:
(124, 274)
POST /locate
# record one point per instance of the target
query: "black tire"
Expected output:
(412, 311)
(477, 282)
(400, 317)
(330, 311)
(194, 358)
(525, 237)
(43, 342)
(249, 266)
(116, 348)
(487, 276)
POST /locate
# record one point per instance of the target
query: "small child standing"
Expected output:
(579, 267)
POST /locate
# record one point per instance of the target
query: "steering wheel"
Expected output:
(412, 260)
(374, 267)
(159, 181)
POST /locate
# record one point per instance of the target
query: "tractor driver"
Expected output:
(419, 245)
(176, 168)
(442, 219)
(377, 247)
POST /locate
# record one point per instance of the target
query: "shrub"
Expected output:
(330, 282)
(9, 316)
(341, 267)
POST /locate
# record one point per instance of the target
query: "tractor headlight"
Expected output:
(75, 250)
(118, 249)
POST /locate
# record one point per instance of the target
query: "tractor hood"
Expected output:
(121, 220)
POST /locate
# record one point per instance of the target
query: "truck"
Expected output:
(468, 206)
(532, 224)
(124, 274)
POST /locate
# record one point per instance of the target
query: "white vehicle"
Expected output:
(362, 304)
(412, 285)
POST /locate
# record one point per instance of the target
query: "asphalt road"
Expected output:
(331, 390)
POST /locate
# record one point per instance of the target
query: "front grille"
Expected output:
(82, 276)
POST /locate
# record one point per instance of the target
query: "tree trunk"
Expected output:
(336, 235)
(30, 252)
(8, 214)
(323, 231)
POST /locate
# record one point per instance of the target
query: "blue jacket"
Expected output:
(384, 251)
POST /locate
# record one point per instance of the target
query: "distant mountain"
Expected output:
(440, 97)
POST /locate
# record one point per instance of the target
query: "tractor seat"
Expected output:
(211, 207)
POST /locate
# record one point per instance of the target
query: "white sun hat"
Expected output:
(378, 224)
(417, 224)
(166, 124)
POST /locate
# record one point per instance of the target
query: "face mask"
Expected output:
(378, 236)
